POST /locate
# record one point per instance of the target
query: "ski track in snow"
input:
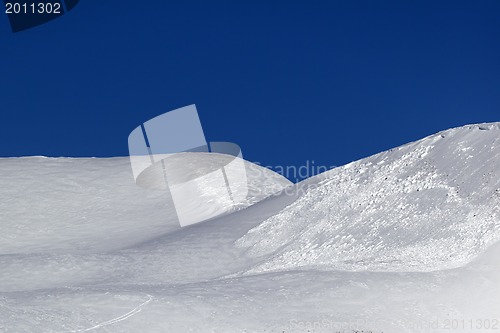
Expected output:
(114, 320)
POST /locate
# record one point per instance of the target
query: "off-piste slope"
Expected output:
(397, 242)
(92, 205)
(428, 205)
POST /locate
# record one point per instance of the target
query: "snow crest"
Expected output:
(428, 205)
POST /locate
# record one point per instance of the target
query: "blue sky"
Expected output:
(289, 81)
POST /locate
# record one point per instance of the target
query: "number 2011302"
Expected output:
(32, 8)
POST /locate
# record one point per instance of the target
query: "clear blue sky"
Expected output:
(289, 81)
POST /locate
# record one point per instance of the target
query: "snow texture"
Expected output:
(403, 241)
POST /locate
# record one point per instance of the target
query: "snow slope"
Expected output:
(82, 205)
(403, 241)
(428, 205)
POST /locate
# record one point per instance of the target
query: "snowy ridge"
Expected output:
(82, 205)
(393, 241)
(428, 205)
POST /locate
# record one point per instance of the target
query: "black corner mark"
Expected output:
(26, 14)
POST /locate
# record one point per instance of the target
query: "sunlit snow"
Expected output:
(403, 241)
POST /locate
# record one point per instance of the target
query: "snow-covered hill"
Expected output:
(403, 241)
(82, 205)
(428, 205)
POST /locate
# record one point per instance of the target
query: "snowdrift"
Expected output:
(403, 241)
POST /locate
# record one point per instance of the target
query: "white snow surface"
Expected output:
(403, 241)
(427, 205)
